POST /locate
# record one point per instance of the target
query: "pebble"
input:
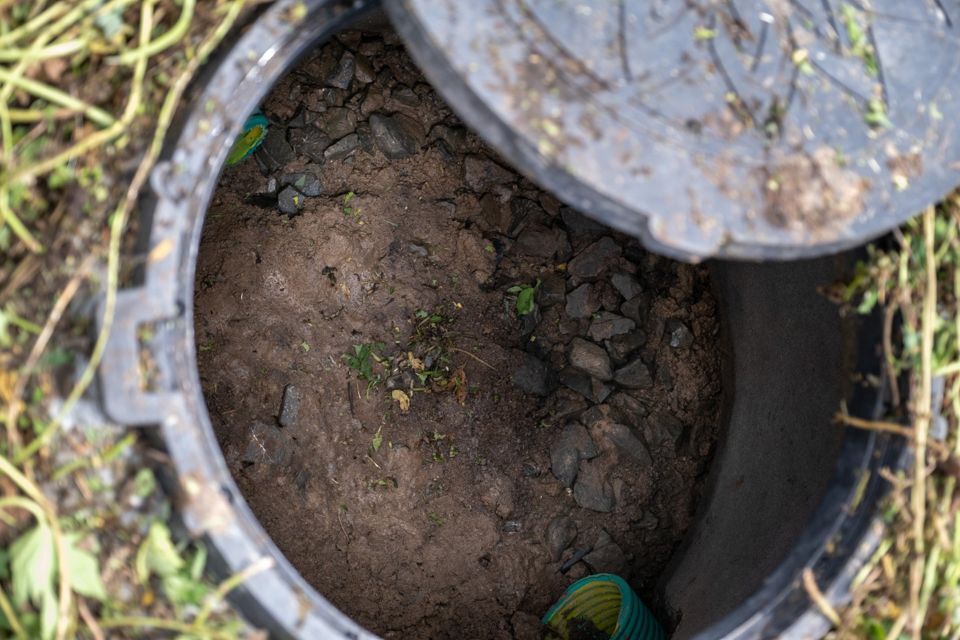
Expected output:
(590, 388)
(534, 376)
(578, 224)
(530, 470)
(289, 406)
(336, 122)
(635, 375)
(626, 284)
(623, 438)
(405, 96)
(633, 307)
(582, 302)
(363, 69)
(589, 358)
(343, 74)
(480, 174)
(290, 201)
(595, 259)
(342, 148)
(606, 325)
(552, 291)
(561, 532)
(662, 430)
(397, 136)
(275, 152)
(607, 556)
(592, 491)
(543, 242)
(511, 526)
(268, 444)
(310, 142)
(571, 446)
(305, 182)
(622, 346)
(627, 409)
(680, 335)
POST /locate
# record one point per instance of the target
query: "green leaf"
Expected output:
(83, 569)
(48, 615)
(377, 440)
(525, 303)
(184, 590)
(31, 563)
(157, 555)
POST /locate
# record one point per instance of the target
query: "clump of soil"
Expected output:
(445, 395)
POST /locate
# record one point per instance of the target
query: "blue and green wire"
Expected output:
(252, 136)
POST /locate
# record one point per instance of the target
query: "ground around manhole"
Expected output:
(445, 395)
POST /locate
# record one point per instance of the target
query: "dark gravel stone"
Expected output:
(635, 375)
(590, 388)
(582, 302)
(289, 406)
(607, 556)
(305, 182)
(621, 347)
(511, 526)
(595, 259)
(342, 148)
(578, 224)
(480, 174)
(534, 376)
(552, 291)
(268, 444)
(363, 69)
(626, 285)
(662, 430)
(455, 137)
(561, 532)
(606, 325)
(626, 409)
(680, 335)
(624, 439)
(397, 136)
(633, 308)
(343, 73)
(530, 470)
(571, 446)
(542, 242)
(310, 142)
(290, 201)
(664, 377)
(592, 491)
(336, 122)
(275, 152)
(589, 358)
(405, 96)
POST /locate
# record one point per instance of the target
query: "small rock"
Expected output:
(623, 438)
(542, 242)
(290, 201)
(596, 258)
(480, 174)
(275, 152)
(363, 69)
(626, 284)
(589, 358)
(607, 556)
(405, 96)
(609, 298)
(578, 224)
(268, 444)
(342, 148)
(635, 375)
(680, 336)
(530, 470)
(582, 302)
(607, 325)
(511, 526)
(561, 532)
(621, 347)
(397, 136)
(306, 183)
(550, 204)
(662, 430)
(455, 137)
(627, 409)
(373, 101)
(289, 406)
(343, 74)
(533, 376)
(633, 307)
(552, 291)
(526, 212)
(590, 388)
(567, 402)
(310, 142)
(571, 446)
(592, 491)
(664, 377)
(336, 122)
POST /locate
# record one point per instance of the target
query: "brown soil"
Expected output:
(431, 522)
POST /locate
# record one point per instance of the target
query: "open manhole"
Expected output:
(436, 386)
(576, 404)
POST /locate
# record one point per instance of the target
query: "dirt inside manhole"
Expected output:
(436, 386)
